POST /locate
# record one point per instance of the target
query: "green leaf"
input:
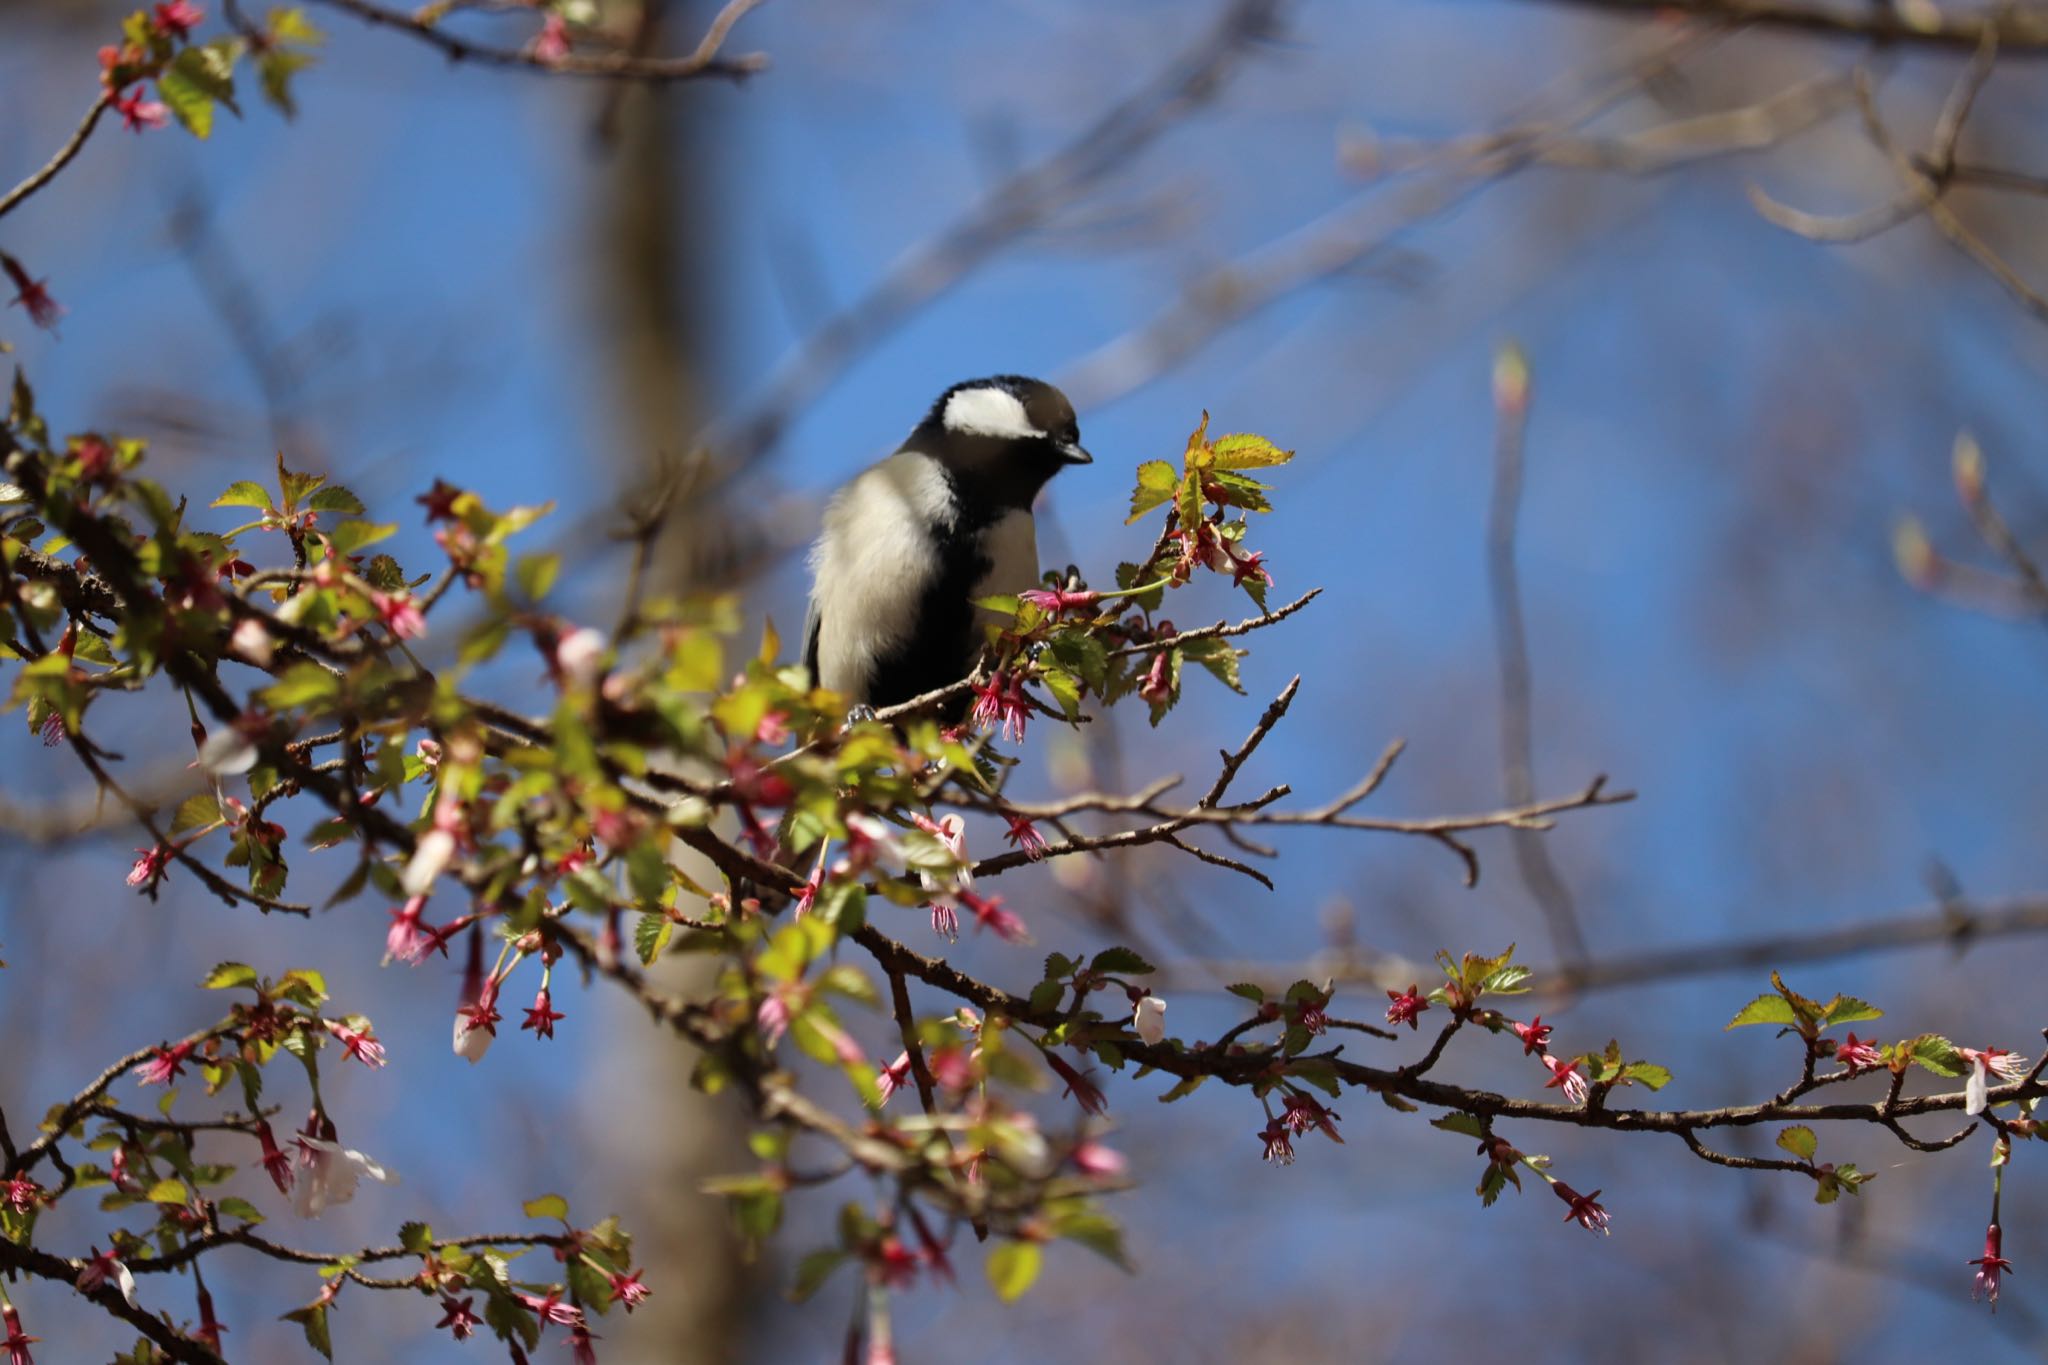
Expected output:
(547, 1206)
(1120, 962)
(303, 684)
(1065, 689)
(290, 25)
(1455, 1122)
(813, 1270)
(335, 498)
(1156, 483)
(1185, 1088)
(234, 1206)
(243, 493)
(351, 536)
(537, 573)
(168, 1191)
(1765, 1009)
(1239, 491)
(1219, 657)
(1847, 1009)
(313, 1318)
(195, 812)
(1255, 994)
(650, 936)
(1799, 1141)
(1012, 1267)
(303, 986)
(1242, 450)
(229, 975)
(1095, 1230)
(1647, 1073)
(1936, 1054)
(276, 68)
(417, 1238)
(197, 79)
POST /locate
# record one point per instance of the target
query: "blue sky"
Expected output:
(1728, 419)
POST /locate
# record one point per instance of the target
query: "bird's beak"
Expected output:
(1073, 454)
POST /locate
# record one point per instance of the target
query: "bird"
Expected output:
(912, 542)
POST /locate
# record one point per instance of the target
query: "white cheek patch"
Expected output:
(988, 412)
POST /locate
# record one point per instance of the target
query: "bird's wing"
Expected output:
(814, 621)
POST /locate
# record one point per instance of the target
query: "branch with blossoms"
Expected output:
(167, 1176)
(530, 842)
(162, 68)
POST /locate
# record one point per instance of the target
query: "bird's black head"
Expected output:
(1001, 438)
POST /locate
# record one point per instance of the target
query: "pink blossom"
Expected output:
(1567, 1075)
(1584, 1210)
(1059, 601)
(951, 832)
(1085, 1092)
(1303, 1113)
(138, 113)
(53, 732)
(989, 914)
(1025, 836)
(457, 1317)
(1407, 1004)
(627, 1289)
(31, 294)
(870, 841)
(361, 1046)
(552, 1309)
(1093, 1159)
(251, 642)
(16, 1341)
(952, 1068)
(20, 1193)
(541, 1018)
(210, 1328)
(1279, 1143)
(1535, 1035)
(1858, 1056)
(578, 659)
(103, 1267)
(894, 1263)
(2009, 1066)
(893, 1077)
(1157, 689)
(773, 729)
(276, 1163)
(410, 938)
(166, 1066)
(551, 44)
(771, 1018)
(807, 897)
(477, 1024)
(328, 1172)
(1989, 1267)
(945, 923)
(400, 613)
(580, 1337)
(1002, 704)
(150, 868)
(177, 19)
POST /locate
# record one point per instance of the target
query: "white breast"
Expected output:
(873, 562)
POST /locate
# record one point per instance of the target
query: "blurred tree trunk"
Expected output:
(653, 293)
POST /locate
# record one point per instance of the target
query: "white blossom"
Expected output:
(1149, 1019)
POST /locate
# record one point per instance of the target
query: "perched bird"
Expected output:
(912, 542)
